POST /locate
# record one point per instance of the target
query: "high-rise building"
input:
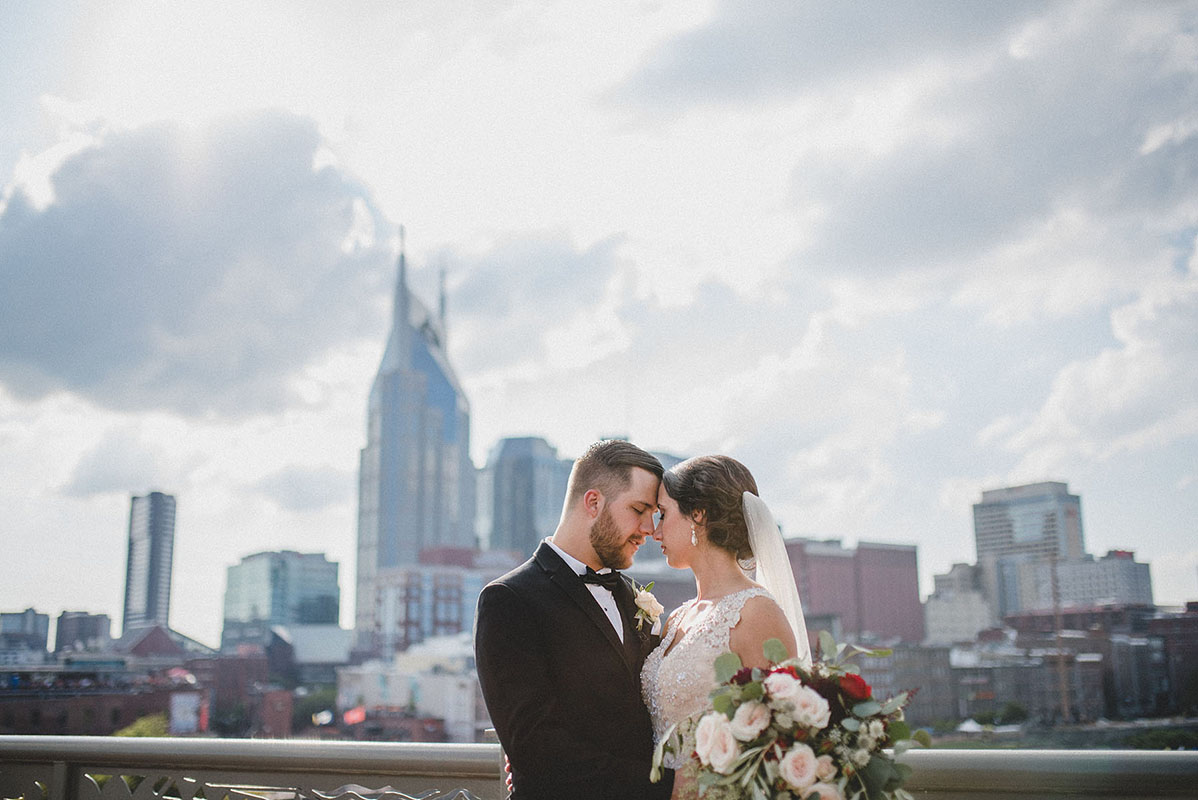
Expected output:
(1115, 579)
(1023, 525)
(24, 630)
(521, 492)
(416, 483)
(79, 630)
(871, 591)
(283, 588)
(148, 568)
(434, 598)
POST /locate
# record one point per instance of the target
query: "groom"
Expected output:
(559, 647)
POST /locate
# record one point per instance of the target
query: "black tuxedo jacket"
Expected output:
(563, 692)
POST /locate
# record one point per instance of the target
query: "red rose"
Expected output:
(855, 687)
(742, 676)
(789, 670)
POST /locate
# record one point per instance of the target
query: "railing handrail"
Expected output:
(292, 755)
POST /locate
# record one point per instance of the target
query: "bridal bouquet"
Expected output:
(793, 733)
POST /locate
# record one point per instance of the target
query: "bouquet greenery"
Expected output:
(791, 732)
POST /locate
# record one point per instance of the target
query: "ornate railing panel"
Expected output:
(108, 768)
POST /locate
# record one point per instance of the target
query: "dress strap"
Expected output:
(726, 615)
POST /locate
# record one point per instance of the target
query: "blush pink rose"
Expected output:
(750, 720)
(782, 686)
(826, 791)
(811, 710)
(825, 768)
(714, 743)
(797, 767)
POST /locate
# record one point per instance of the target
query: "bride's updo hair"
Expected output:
(714, 485)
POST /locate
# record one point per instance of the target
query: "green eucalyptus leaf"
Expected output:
(894, 703)
(923, 737)
(827, 645)
(851, 724)
(723, 704)
(752, 691)
(903, 746)
(874, 776)
(851, 667)
(867, 709)
(898, 730)
(774, 651)
(726, 666)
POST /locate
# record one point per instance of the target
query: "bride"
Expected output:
(714, 523)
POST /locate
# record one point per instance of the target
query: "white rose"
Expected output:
(810, 708)
(782, 686)
(798, 766)
(704, 733)
(825, 768)
(826, 791)
(714, 743)
(750, 720)
(724, 749)
(646, 602)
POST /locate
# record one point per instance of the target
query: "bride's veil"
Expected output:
(773, 569)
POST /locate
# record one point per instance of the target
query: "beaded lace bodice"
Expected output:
(677, 678)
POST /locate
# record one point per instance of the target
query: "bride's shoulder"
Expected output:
(761, 619)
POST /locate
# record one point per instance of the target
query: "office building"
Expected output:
(283, 588)
(1115, 579)
(1019, 526)
(434, 598)
(81, 631)
(521, 492)
(23, 637)
(872, 590)
(416, 486)
(148, 568)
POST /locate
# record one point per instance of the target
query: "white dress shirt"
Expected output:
(603, 596)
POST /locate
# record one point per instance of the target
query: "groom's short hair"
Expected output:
(607, 466)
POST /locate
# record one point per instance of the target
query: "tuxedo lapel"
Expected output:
(569, 582)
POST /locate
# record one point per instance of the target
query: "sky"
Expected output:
(889, 256)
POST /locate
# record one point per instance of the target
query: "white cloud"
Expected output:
(1139, 395)
(192, 271)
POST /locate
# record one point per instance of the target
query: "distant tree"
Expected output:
(1012, 714)
(232, 721)
(153, 725)
(1174, 739)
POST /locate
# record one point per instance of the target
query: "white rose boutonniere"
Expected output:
(647, 607)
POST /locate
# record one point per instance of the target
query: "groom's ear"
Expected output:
(592, 501)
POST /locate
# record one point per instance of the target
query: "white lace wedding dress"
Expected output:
(678, 676)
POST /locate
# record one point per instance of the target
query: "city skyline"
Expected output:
(889, 258)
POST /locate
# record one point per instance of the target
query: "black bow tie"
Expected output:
(608, 580)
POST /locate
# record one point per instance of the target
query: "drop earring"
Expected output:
(694, 538)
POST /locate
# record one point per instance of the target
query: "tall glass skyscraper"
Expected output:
(415, 480)
(521, 493)
(1018, 527)
(148, 568)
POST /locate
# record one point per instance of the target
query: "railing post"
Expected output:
(59, 780)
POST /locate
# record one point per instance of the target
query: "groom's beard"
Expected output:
(608, 543)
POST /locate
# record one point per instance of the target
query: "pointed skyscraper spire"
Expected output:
(401, 285)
